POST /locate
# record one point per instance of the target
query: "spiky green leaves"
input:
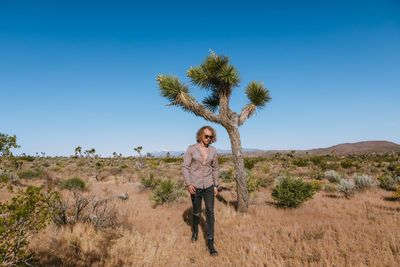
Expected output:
(215, 73)
(257, 94)
(212, 101)
(198, 77)
(171, 87)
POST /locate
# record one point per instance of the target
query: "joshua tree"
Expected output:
(139, 150)
(219, 77)
(78, 150)
(93, 151)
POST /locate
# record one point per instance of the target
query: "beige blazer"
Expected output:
(197, 174)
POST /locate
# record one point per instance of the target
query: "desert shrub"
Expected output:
(332, 176)
(173, 160)
(387, 181)
(154, 164)
(226, 175)
(329, 188)
(222, 159)
(124, 166)
(46, 164)
(396, 192)
(265, 182)
(317, 185)
(392, 166)
(80, 164)
(150, 182)
(27, 158)
(300, 162)
(323, 165)
(252, 183)
(266, 169)
(396, 171)
(346, 187)
(316, 160)
(331, 166)
(25, 215)
(168, 191)
(249, 163)
(85, 209)
(292, 192)
(362, 181)
(348, 163)
(318, 176)
(29, 174)
(73, 183)
(7, 176)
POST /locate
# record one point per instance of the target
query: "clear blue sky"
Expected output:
(84, 72)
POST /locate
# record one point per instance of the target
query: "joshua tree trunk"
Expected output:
(238, 164)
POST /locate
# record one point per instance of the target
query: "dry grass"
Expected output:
(329, 230)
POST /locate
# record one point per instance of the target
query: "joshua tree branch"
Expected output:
(188, 103)
(247, 112)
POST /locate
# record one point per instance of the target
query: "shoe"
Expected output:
(195, 228)
(195, 233)
(210, 245)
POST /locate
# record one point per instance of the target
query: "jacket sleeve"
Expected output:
(215, 169)
(187, 161)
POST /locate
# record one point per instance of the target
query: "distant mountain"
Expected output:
(341, 149)
(358, 148)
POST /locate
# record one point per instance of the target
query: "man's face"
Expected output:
(207, 136)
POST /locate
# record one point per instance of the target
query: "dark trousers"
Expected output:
(208, 194)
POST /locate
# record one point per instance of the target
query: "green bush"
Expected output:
(27, 158)
(386, 181)
(226, 175)
(222, 159)
(168, 191)
(300, 162)
(150, 182)
(172, 160)
(249, 163)
(292, 192)
(348, 163)
(252, 183)
(392, 166)
(29, 174)
(316, 160)
(25, 215)
(318, 176)
(73, 183)
(46, 164)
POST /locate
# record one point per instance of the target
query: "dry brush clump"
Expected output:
(85, 208)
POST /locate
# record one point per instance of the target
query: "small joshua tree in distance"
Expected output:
(139, 151)
(78, 150)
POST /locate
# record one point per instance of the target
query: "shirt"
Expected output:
(197, 174)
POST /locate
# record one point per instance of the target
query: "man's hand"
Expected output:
(191, 189)
(215, 191)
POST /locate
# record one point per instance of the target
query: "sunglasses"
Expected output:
(208, 136)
